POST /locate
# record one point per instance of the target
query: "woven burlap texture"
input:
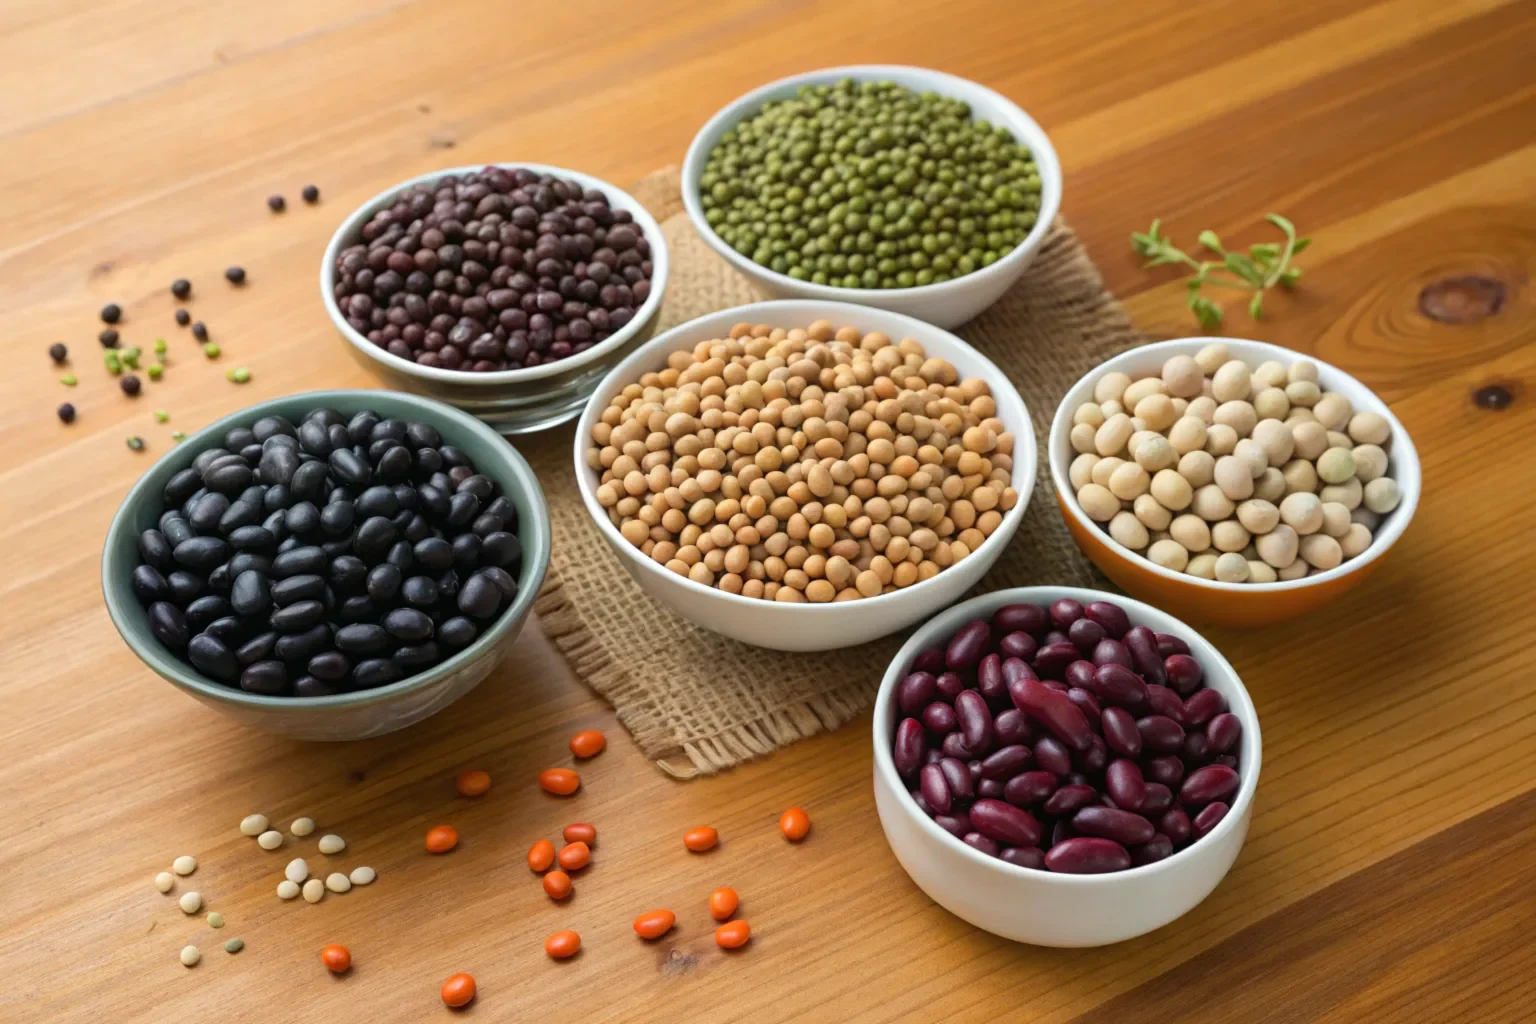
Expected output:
(698, 703)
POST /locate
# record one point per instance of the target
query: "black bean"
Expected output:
(175, 528)
(358, 608)
(240, 513)
(462, 509)
(433, 554)
(330, 665)
(229, 479)
(466, 551)
(181, 287)
(394, 464)
(486, 524)
(207, 510)
(378, 501)
(400, 556)
(418, 529)
(201, 554)
(212, 658)
(453, 456)
(337, 517)
(251, 538)
(337, 434)
(392, 429)
(422, 435)
(309, 686)
(408, 624)
(457, 632)
(306, 587)
(257, 648)
(419, 591)
(239, 437)
(205, 609)
(277, 464)
(185, 586)
(478, 485)
(305, 645)
(303, 517)
(504, 580)
(168, 624)
(315, 438)
(268, 678)
(156, 550)
(384, 581)
(414, 658)
(244, 561)
(270, 426)
(479, 598)
(277, 498)
(349, 574)
(504, 510)
(276, 203)
(361, 425)
(349, 468)
(501, 549)
(277, 525)
(249, 594)
(376, 449)
(299, 560)
(362, 638)
(374, 672)
(308, 483)
(339, 494)
(204, 459)
(336, 547)
(181, 486)
(374, 538)
(448, 585)
(428, 461)
(221, 578)
(150, 586)
(229, 630)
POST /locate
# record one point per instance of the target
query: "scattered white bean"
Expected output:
(184, 865)
(337, 882)
(362, 875)
(287, 889)
(302, 826)
(215, 919)
(270, 839)
(165, 881)
(314, 891)
(190, 956)
(191, 902)
(253, 824)
(297, 870)
(330, 844)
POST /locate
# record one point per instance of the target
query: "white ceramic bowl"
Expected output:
(1236, 604)
(810, 627)
(512, 401)
(1038, 906)
(946, 304)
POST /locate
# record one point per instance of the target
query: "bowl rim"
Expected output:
(763, 312)
(1206, 653)
(350, 230)
(171, 668)
(1039, 143)
(1404, 453)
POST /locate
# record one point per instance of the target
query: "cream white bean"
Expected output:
(314, 891)
(337, 882)
(190, 955)
(165, 881)
(253, 824)
(330, 844)
(184, 865)
(297, 870)
(302, 826)
(191, 902)
(287, 889)
(270, 839)
(362, 876)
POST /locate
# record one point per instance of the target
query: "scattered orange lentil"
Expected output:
(653, 924)
(442, 838)
(559, 781)
(336, 958)
(580, 833)
(795, 824)
(700, 839)
(723, 903)
(473, 782)
(562, 944)
(459, 989)
(733, 934)
(588, 743)
(557, 884)
(541, 855)
(574, 856)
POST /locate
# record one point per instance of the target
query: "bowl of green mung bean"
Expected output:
(901, 188)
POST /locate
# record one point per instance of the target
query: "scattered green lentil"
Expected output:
(69, 380)
(160, 346)
(238, 374)
(136, 443)
(215, 919)
(234, 945)
(154, 371)
(212, 350)
(870, 185)
(113, 361)
(131, 356)
(161, 415)
(177, 435)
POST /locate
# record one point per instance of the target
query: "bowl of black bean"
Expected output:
(330, 565)
(507, 291)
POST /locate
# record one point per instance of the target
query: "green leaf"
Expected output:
(1256, 306)
(1288, 279)
(1282, 223)
(1208, 313)
(1301, 243)
(1264, 252)
(1194, 283)
(1210, 241)
(1243, 267)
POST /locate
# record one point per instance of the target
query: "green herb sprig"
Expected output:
(1265, 265)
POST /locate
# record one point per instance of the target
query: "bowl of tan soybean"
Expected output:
(1323, 568)
(834, 603)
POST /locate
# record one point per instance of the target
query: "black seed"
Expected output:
(108, 338)
(277, 204)
(311, 194)
(131, 385)
(235, 275)
(200, 331)
(183, 317)
(111, 313)
(181, 288)
(57, 352)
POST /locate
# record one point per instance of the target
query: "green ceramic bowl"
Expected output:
(346, 716)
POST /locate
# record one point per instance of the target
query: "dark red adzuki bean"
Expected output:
(1065, 611)
(956, 825)
(916, 692)
(1222, 733)
(1069, 799)
(1087, 856)
(939, 717)
(1175, 824)
(1011, 726)
(930, 661)
(1051, 661)
(993, 789)
(1159, 847)
(1081, 674)
(1168, 770)
(1169, 645)
(1109, 617)
(1202, 706)
(1156, 799)
(1021, 618)
(1088, 704)
(1029, 788)
(1165, 702)
(1120, 687)
(1208, 818)
(1111, 652)
(1005, 823)
(1018, 645)
(1093, 760)
(1086, 634)
(954, 746)
(949, 685)
(1160, 734)
(967, 646)
(1056, 636)
(1005, 762)
(989, 681)
(1212, 782)
(1183, 672)
(1015, 669)
(1061, 832)
(1052, 755)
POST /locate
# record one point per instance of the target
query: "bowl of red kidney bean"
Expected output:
(1062, 766)
(507, 291)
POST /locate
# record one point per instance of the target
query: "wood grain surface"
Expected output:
(1387, 874)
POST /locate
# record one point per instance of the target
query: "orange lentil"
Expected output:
(541, 855)
(472, 782)
(795, 824)
(580, 833)
(557, 884)
(559, 781)
(700, 839)
(562, 944)
(574, 856)
(723, 902)
(442, 838)
(733, 934)
(458, 990)
(588, 743)
(336, 958)
(653, 924)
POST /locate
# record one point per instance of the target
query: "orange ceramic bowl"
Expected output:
(1201, 600)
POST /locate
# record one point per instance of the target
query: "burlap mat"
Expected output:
(697, 702)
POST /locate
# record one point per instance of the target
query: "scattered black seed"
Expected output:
(58, 352)
(235, 275)
(136, 443)
(183, 317)
(108, 338)
(200, 331)
(311, 194)
(67, 413)
(277, 204)
(1493, 397)
(181, 287)
(130, 385)
(111, 313)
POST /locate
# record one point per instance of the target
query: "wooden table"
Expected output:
(1387, 875)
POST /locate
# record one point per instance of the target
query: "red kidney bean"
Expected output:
(922, 804)
(1053, 710)
(1142, 643)
(1175, 825)
(1057, 685)
(1029, 788)
(949, 685)
(1081, 674)
(1126, 786)
(1069, 799)
(980, 842)
(1010, 727)
(1018, 645)
(1017, 618)
(1055, 636)
(1208, 818)
(1227, 759)
(1196, 749)
(1093, 760)
(1164, 701)
(930, 661)
(1184, 673)
(957, 824)
(907, 752)
(915, 693)
(1015, 669)
(1168, 770)
(1120, 732)
(1024, 856)
(1169, 645)
(1005, 762)
(1051, 661)
(957, 779)
(954, 746)
(1112, 652)
(1061, 832)
(1088, 704)
(967, 646)
(1086, 634)
(1202, 706)
(934, 788)
(1065, 611)
(1222, 732)
(1157, 799)
(992, 789)
(1213, 782)
(989, 681)
(1087, 856)
(933, 756)
(1052, 755)
(1125, 827)
(1159, 847)
(1005, 823)
(1160, 734)
(940, 717)
(975, 720)
(1109, 617)
(1118, 685)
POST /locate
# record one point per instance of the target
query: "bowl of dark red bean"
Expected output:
(507, 291)
(329, 566)
(1064, 767)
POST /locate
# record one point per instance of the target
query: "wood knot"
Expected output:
(442, 142)
(1462, 300)
(678, 962)
(1493, 397)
